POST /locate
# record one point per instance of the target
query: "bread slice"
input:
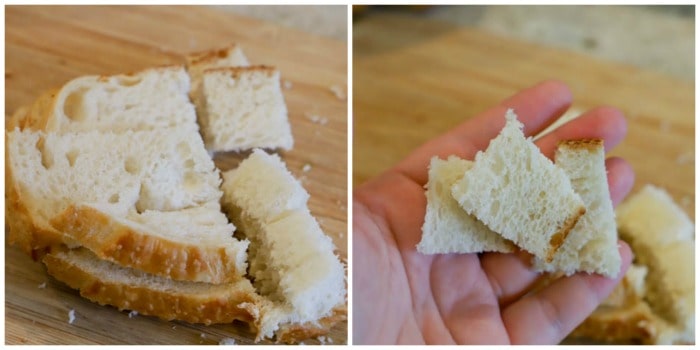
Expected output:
(197, 63)
(591, 245)
(291, 259)
(107, 283)
(243, 108)
(519, 193)
(147, 200)
(150, 99)
(447, 227)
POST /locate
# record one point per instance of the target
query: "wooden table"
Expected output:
(47, 46)
(414, 79)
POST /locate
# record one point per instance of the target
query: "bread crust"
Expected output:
(583, 144)
(238, 304)
(558, 238)
(124, 245)
(295, 333)
(236, 72)
(209, 55)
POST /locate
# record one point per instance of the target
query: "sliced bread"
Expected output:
(243, 108)
(291, 259)
(154, 98)
(518, 192)
(129, 197)
(447, 227)
(592, 244)
(107, 283)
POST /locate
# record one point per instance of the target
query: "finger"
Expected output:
(537, 107)
(620, 179)
(547, 316)
(510, 275)
(604, 123)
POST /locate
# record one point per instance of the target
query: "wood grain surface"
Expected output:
(48, 46)
(414, 79)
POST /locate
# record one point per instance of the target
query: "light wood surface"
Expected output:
(48, 46)
(414, 79)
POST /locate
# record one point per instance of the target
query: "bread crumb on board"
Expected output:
(685, 158)
(133, 313)
(316, 118)
(287, 84)
(42, 286)
(339, 92)
(227, 341)
(71, 316)
(664, 125)
(306, 168)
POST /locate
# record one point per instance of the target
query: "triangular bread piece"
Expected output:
(447, 227)
(518, 192)
(592, 244)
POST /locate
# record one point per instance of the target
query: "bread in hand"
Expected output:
(591, 246)
(518, 192)
(447, 227)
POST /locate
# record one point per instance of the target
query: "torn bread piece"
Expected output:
(518, 192)
(291, 259)
(591, 246)
(243, 108)
(130, 197)
(447, 227)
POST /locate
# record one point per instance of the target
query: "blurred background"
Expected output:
(421, 70)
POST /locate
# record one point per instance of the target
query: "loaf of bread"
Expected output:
(519, 193)
(243, 108)
(146, 199)
(447, 227)
(291, 259)
(591, 246)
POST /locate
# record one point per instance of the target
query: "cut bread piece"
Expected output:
(291, 259)
(151, 99)
(197, 63)
(519, 193)
(107, 283)
(127, 197)
(243, 108)
(591, 245)
(447, 227)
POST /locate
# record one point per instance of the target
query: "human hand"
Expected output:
(401, 296)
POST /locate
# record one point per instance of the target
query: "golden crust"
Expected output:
(558, 238)
(295, 333)
(236, 72)
(119, 243)
(209, 55)
(237, 304)
(583, 144)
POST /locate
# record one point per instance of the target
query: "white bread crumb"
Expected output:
(685, 158)
(686, 201)
(227, 341)
(133, 313)
(202, 335)
(71, 316)
(316, 119)
(287, 84)
(174, 327)
(42, 286)
(338, 92)
(306, 168)
(664, 125)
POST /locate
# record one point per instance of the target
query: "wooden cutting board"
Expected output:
(414, 79)
(48, 46)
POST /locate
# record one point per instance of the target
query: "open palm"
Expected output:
(401, 296)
